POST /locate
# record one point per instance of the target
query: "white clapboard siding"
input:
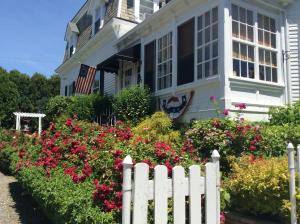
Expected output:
(178, 187)
(293, 18)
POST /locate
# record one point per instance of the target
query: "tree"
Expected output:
(9, 101)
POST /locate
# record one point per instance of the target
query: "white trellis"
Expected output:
(138, 192)
(19, 115)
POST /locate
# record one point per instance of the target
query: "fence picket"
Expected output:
(211, 194)
(179, 195)
(161, 195)
(195, 194)
(140, 193)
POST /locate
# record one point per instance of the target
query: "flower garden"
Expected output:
(74, 170)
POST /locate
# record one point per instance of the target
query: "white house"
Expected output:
(188, 50)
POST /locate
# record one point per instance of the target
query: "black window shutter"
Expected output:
(150, 65)
(186, 51)
(66, 90)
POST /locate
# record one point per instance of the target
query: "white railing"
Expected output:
(138, 193)
(292, 179)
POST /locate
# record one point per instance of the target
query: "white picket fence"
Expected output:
(138, 192)
(292, 178)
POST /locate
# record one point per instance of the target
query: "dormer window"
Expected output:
(97, 20)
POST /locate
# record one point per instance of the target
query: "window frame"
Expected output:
(171, 60)
(256, 44)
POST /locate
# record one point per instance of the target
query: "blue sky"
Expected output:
(32, 33)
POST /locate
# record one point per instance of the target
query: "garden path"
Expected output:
(15, 206)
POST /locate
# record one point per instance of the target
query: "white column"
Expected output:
(126, 190)
(40, 126)
(18, 123)
(291, 163)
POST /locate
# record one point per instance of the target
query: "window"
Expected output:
(71, 51)
(97, 20)
(207, 44)
(164, 62)
(243, 60)
(267, 65)
(128, 76)
(242, 23)
(245, 48)
(66, 90)
(186, 49)
(130, 4)
(96, 83)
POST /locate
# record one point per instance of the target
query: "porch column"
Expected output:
(18, 123)
(155, 5)
(137, 10)
(40, 126)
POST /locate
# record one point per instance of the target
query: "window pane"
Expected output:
(207, 69)
(274, 59)
(235, 29)
(260, 21)
(251, 70)
(236, 67)
(261, 56)
(235, 12)
(215, 67)
(200, 55)
(266, 23)
(273, 40)
(260, 37)
(243, 31)
(215, 50)
(249, 17)
(207, 52)
(250, 33)
(250, 53)
(236, 50)
(207, 18)
(215, 14)
(268, 74)
(200, 38)
(267, 57)
(267, 38)
(207, 35)
(215, 32)
(243, 69)
(243, 52)
(274, 75)
(243, 15)
(200, 72)
(261, 72)
(200, 22)
(272, 25)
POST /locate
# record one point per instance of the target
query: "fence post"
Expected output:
(291, 164)
(126, 190)
(216, 160)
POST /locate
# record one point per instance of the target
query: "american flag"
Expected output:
(85, 79)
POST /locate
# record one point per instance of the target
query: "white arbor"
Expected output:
(34, 115)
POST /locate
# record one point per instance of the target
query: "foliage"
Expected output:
(285, 115)
(85, 107)
(76, 164)
(133, 104)
(259, 187)
(158, 127)
(19, 92)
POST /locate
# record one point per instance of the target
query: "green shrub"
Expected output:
(158, 127)
(85, 107)
(259, 187)
(285, 115)
(133, 104)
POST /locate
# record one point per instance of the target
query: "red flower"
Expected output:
(68, 122)
(226, 112)
(241, 106)
(87, 170)
(212, 98)
(117, 153)
(252, 148)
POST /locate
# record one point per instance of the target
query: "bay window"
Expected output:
(254, 54)
(207, 44)
(164, 62)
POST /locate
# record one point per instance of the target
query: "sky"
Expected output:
(32, 33)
